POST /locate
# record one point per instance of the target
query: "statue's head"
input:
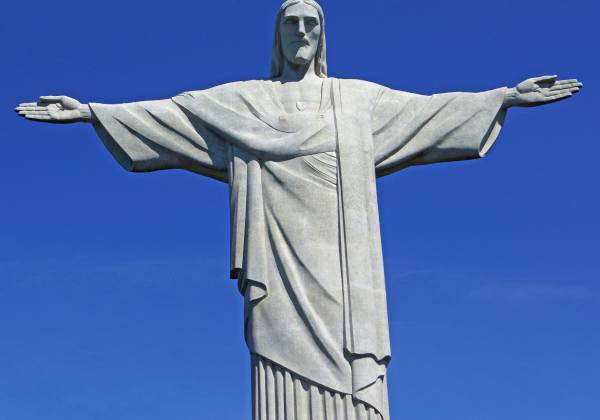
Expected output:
(299, 37)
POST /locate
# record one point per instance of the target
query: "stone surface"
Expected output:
(301, 153)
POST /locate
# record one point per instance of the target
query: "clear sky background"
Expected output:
(115, 302)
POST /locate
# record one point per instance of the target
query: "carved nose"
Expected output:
(301, 29)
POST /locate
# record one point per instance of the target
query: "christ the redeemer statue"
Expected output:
(301, 153)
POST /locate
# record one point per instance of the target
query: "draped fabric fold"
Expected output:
(411, 129)
(278, 394)
(366, 335)
(305, 235)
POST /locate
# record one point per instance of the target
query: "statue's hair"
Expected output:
(321, 55)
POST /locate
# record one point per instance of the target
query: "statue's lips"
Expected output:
(302, 43)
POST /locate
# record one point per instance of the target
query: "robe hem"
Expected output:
(316, 384)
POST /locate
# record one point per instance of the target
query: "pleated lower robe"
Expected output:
(278, 394)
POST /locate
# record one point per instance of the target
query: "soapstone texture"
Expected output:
(301, 153)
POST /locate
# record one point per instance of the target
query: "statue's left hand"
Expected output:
(540, 91)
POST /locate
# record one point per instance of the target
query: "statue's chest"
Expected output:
(300, 106)
(298, 98)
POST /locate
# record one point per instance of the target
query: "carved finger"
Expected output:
(565, 89)
(560, 92)
(568, 81)
(575, 88)
(565, 86)
(555, 98)
(549, 93)
(28, 104)
(30, 108)
(51, 99)
(36, 113)
(38, 117)
(551, 78)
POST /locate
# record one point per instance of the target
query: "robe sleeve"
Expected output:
(156, 135)
(410, 129)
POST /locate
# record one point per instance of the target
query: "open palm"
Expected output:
(52, 109)
(545, 89)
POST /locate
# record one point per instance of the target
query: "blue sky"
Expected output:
(114, 297)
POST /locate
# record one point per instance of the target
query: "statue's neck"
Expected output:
(298, 73)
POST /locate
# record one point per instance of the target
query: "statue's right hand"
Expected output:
(54, 109)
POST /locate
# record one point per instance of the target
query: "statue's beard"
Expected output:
(303, 56)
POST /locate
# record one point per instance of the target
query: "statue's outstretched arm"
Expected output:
(540, 91)
(452, 126)
(56, 110)
(142, 136)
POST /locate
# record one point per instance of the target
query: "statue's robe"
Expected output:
(305, 240)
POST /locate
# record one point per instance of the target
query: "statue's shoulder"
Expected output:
(225, 89)
(360, 84)
(360, 92)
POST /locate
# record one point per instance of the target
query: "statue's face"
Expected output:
(300, 31)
